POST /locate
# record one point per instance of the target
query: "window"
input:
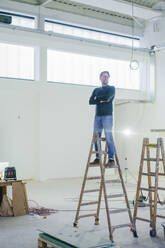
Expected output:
(67, 29)
(16, 61)
(21, 20)
(82, 69)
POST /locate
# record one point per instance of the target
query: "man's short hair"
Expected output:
(104, 72)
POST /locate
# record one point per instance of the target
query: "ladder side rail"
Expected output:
(149, 179)
(163, 153)
(101, 185)
(139, 180)
(84, 181)
(156, 184)
(124, 189)
(105, 194)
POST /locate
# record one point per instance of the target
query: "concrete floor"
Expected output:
(62, 194)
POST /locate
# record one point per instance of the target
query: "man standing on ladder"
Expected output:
(103, 98)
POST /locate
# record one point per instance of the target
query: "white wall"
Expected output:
(46, 128)
(140, 118)
(19, 125)
(155, 29)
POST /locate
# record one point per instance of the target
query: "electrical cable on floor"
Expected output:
(39, 210)
(35, 203)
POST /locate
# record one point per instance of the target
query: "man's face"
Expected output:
(104, 78)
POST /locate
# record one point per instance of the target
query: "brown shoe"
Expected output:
(96, 161)
(110, 163)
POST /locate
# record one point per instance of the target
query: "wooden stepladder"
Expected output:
(103, 189)
(153, 180)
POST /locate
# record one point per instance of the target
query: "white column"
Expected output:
(41, 64)
(40, 19)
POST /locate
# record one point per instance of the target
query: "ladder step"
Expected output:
(161, 174)
(120, 210)
(146, 204)
(93, 178)
(152, 190)
(112, 167)
(160, 188)
(152, 159)
(113, 181)
(160, 202)
(160, 216)
(100, 139)
(94, 165)
(87, 215)
(89, 203)
(101, 152)
(91, 190)
(152, 174)
(152, 145)
(122, 225)
(142, 219)
(146, 189)
(115, 196)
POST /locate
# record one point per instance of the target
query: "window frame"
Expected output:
(2, 12)
(92, 30)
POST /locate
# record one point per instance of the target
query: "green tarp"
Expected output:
(56, 241)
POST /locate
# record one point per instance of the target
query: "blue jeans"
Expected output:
(105, 122)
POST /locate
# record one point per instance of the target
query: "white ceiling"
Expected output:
(112, 11)
(141, 10)
(145, 3)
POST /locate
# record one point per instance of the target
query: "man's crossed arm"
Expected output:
(94, 99)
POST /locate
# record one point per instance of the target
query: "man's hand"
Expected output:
(104, 101)
(101, 100)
